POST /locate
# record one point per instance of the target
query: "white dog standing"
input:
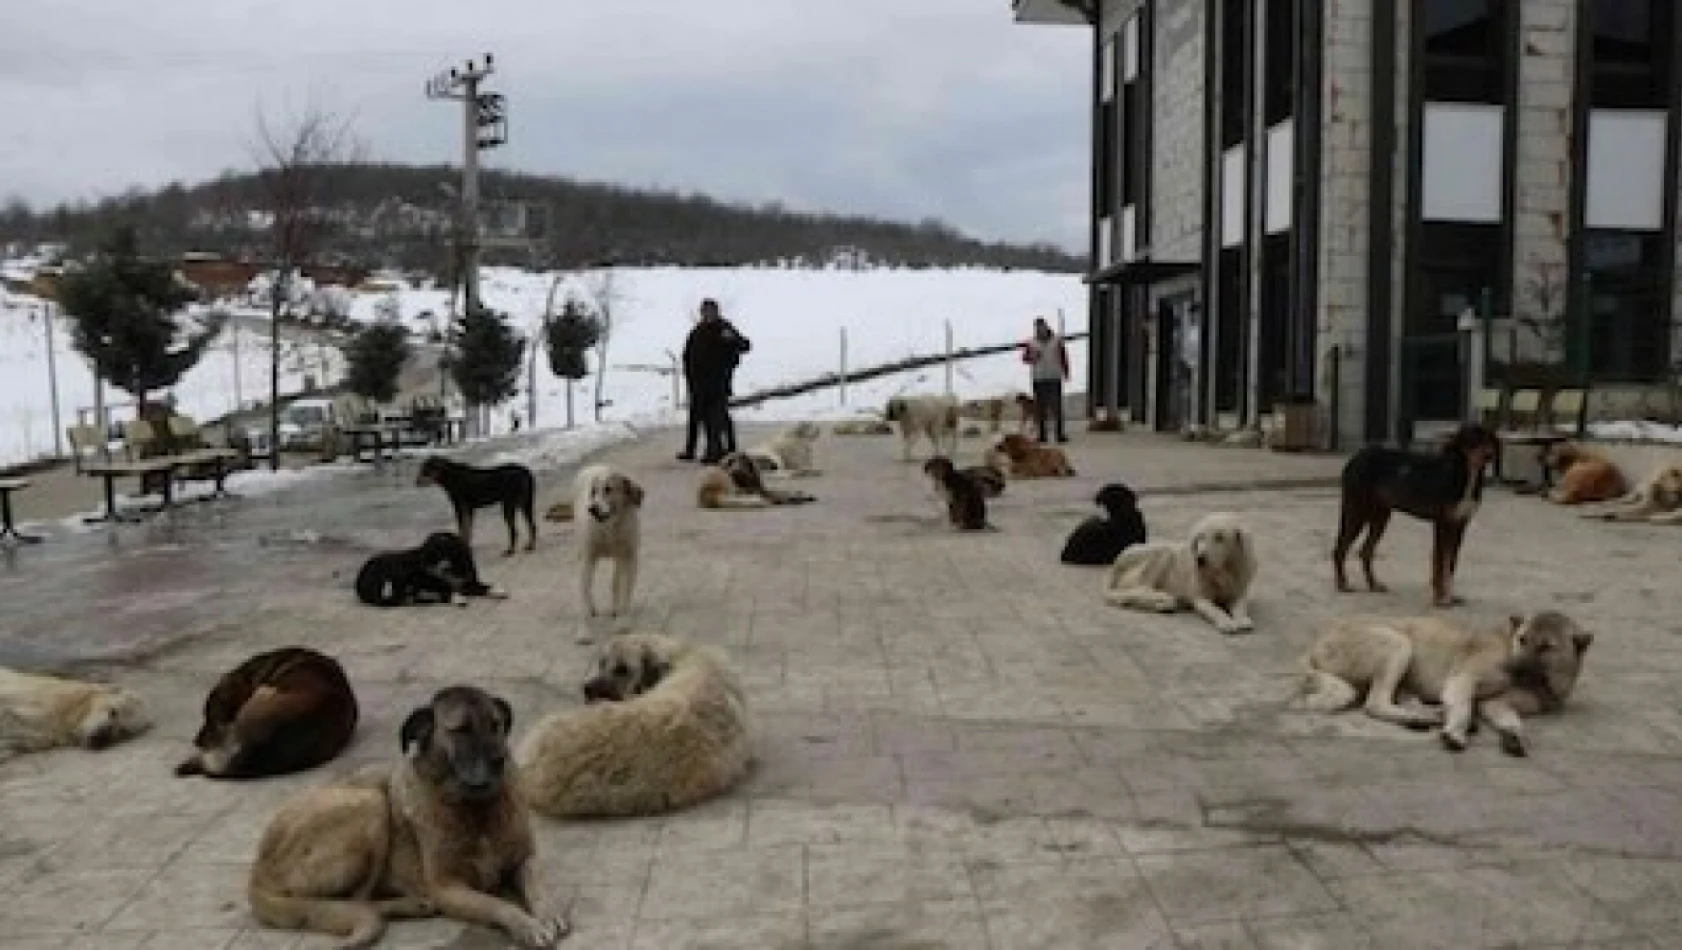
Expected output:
(1210, 572)
(606, 505)
(933, 417)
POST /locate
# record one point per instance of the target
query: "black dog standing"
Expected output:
(1099, 540)
(513, 486)
(1444, 489)
(441, 569)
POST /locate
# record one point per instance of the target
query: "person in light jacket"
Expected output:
(1048, 368)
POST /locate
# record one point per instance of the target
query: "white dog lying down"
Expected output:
(790, 453)
(45, 712)
(1526, 666)
(666, 727)
(605, 505)
(931, 416)
(1210, 572)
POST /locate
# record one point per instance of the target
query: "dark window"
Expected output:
(1106, 133)
(1629, 326)
(1229, 337)
(1632, 58)
(1235, 21)
(1274, 316)
(1458, 264)
(1281, 61)
(1466, 50)
(1131, 129)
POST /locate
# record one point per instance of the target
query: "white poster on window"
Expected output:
(1626, 170)
(1463, 169)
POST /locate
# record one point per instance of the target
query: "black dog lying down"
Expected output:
(440, 570)
(1097, 541)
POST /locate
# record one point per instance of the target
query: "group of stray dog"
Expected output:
(446, 830)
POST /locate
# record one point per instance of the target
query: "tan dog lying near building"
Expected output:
(735, 483)
(666, 727)
(1029, 459)
(1658, 499)
(440, 833)
(1585, 475)
(1526, 666)
(1210, 572)
(791, 452)
(281, 711)
(46, 712)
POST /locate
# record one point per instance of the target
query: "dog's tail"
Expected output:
(359, 923)
(736, 503)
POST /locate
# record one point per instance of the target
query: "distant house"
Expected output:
(1297, 201)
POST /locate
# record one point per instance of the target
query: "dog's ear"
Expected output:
(653, 671)
(633, 491)
(1514, 622)
(1581, 640)
(504, 714)
(416, 734)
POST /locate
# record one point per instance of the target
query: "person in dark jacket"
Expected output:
(710, 356)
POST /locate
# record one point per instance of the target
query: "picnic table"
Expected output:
(167, 466)
(7, 528)
(376, 433)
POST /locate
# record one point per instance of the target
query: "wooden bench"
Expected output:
(165, 465)
(7, 528)
(1544, 429)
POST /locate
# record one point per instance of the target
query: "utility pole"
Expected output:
(484, 126)
(52, 379)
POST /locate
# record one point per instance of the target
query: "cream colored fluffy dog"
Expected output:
(666, 727)
(791, 452)
(606, 504)
(45, 712)
(1210, 572)
(931, 416)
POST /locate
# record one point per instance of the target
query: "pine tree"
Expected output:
(488, 356)
(374, 360)
(569, 336)
(128, 318)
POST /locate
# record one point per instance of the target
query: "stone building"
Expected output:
(1298, 202)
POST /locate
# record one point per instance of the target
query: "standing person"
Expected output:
(1048, 367)
(710, 356)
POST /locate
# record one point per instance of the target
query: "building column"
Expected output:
(1542, 210)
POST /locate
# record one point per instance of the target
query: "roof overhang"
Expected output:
(1056, 12)
(1139, 273)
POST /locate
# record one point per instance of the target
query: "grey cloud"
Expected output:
(910, 109)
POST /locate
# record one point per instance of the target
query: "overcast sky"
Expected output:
(900, 108)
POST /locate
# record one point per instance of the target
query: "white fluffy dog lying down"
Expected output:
(666, 727)
(45, 712)
(791, 452)
(1210, 572)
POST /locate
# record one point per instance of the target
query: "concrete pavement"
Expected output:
(960, 745)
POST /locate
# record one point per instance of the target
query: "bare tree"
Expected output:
(299, 161)
(604, 297)
(1544, 313)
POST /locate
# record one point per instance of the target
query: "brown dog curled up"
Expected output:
(966, 501)
(279, 712)
(1029, 459)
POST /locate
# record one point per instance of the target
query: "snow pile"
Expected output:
(1636, 431)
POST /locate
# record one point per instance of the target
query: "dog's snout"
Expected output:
(100, 739)
(599, 689)
(600, 512)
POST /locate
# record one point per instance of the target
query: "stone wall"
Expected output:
(1177, 104)
(1547, 44)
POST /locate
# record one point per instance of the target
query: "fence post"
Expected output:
(948, 357)
(843, 366)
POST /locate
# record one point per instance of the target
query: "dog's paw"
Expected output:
(1452, 742)
(460, 600)
(192, 766)
(543, 933)
(1243, 625)
(1513, 744)
(496, 593)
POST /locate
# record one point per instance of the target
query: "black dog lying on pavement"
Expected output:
(1098, 540)
(440, 570)
(470, 488)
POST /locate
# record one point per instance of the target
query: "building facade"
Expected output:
(1303, 202)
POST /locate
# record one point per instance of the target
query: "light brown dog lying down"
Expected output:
(46, 712)
(666, 727)
(1031, 460)
(1658, 499)
(1584, 475)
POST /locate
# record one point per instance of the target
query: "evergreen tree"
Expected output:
(570, 335)
(374, 359)
(488, 356)
(128, 318)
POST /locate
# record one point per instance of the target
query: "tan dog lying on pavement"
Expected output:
(45, 712)
(1210, 572)
(1029, 459)
(790, 453)
(1585, 475)
(442, 832)
(1529, 665)
(1658, 499)
(666, 728)
(735, 484)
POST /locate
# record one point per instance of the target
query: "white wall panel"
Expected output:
(1232, 197)
(1106, 244)
(1281, 145)
(1464, 172)
(1626, 170)
(1130, 49)
(1129, 247)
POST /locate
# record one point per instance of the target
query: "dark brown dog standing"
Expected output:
(1444, 489)
(279, 712)
(470, 488)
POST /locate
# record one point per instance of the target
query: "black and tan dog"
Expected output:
(469, 488)
(1444, 489)
(442, 570)
(736, 483)
(1099, 540)
(279, 712)
(966, 498)
(442, 832)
